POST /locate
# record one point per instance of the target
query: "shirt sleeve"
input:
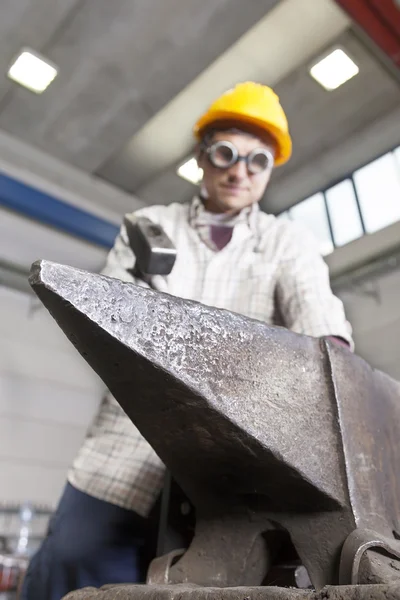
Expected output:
(306, 301)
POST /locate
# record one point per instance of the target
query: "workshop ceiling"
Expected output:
(135, 74)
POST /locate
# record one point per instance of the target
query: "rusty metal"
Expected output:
(158, 573)
(135, 592)
(281, 432)
(356, 545)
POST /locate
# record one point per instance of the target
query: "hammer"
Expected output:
(155, 253)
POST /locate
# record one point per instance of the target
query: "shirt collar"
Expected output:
(199, 216)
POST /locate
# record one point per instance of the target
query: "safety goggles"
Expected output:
(224, 155)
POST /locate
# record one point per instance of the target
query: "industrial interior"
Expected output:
(97, 104)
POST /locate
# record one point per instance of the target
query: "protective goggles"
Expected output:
(224, 155)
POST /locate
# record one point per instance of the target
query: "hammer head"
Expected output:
(155, 253)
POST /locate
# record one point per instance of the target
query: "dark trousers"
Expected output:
(89, 543)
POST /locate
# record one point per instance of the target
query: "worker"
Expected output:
(230, 255)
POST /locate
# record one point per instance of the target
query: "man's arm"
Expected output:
(304, 294)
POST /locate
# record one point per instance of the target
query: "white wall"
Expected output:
(373, 308)
(364, 250)
(48, 395)
(22, 241)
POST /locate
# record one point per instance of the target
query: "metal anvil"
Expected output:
(267, 431)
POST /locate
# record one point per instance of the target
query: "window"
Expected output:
(312, 214)
(378, 189)
(365, 202)
(343, 212)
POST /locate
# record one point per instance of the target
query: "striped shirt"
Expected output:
(270, 270)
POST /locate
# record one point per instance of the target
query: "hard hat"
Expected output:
(254, 104)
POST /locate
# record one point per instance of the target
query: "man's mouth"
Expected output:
(233, 187)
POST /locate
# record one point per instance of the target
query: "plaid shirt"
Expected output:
(270, 270)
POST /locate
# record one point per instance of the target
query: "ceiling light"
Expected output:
(191, 171)
(334, 70)
(32, 71)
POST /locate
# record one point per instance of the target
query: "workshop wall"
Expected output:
(22, 241)
(372, 307)
(48, 396)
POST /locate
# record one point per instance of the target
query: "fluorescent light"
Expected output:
(191, 171)
(32, 71)
(334, 70)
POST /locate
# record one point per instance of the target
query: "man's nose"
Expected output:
(238, 170)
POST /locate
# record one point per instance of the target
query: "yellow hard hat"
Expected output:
(256, 105)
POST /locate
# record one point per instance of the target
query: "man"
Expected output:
(230, 255)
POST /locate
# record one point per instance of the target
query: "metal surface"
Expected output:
(358, 542)
(280, 431)
(368, 404)
(132, 592)
(158, 573)
(155, 253)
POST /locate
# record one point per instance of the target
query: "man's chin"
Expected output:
(234, 202)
